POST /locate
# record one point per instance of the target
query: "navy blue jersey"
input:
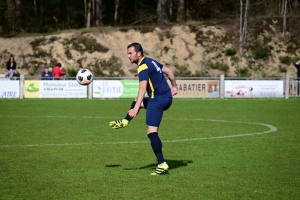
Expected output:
(150, 70)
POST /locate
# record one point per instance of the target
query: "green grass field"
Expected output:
(216, 149)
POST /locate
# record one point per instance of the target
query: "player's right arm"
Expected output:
(169, 72)
(142, 90)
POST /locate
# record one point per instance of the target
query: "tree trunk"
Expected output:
(243, 25)
(88, 20)
(10, 16)
(18, 7)
(117, 2)
(162, 17)
(284, 22)
(85, 11)
(181, 11)
(98, 13)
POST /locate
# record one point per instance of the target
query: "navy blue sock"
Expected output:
(127, 116)
(156, 146)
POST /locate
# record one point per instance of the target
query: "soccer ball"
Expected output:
(84, 77)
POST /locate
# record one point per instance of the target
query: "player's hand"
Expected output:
(174, 91)
(132, 113)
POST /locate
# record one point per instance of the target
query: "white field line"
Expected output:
(271, 129)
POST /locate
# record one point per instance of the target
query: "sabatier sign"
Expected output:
(197, 89)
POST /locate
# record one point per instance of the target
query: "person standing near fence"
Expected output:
(57, 72)
(47, 75)
(297, 65)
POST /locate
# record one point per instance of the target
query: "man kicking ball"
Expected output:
(160, 96)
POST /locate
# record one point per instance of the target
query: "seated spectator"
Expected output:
(11, 67)
(57, 72)
(47, 75)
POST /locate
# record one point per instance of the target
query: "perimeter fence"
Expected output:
(127, 87)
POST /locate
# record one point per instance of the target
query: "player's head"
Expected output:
(135, 52)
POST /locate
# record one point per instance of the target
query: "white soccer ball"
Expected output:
(84, 77)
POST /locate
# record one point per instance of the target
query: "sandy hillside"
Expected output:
(191, 50)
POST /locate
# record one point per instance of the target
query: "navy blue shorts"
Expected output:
(155, 109)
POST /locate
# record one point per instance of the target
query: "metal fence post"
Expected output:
(287, 86)
(222, 86)
(22, 79)
(90, 90)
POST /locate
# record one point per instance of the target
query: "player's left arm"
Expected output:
(169, 72)
(142, 90)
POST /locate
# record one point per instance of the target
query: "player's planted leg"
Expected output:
(157, 149)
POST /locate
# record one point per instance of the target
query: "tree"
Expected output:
(243, 24)
(18, 7)
(284, 22)
(181, 11)
(117, 3)
(87, 11)
(98, 13)
(162, 16)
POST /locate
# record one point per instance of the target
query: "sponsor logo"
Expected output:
(32, 88)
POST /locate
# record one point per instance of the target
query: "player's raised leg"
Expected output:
(122, 123)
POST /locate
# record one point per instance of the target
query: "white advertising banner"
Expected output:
(54, 89)
(115, 88)
(10, 89)
(253, 89)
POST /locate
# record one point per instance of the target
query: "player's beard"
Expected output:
(135, 61)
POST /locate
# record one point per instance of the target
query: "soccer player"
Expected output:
(160, 96)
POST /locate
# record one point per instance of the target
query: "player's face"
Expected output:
(133, 55)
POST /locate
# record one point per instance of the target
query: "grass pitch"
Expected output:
(216, 149)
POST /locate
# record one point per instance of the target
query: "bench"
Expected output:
(4, 78)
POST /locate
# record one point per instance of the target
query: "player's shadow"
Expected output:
(173, 164)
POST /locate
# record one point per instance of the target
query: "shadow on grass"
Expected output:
(173, 164)
(113, 165)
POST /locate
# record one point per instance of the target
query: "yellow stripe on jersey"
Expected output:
(152, 88)
(142, 67)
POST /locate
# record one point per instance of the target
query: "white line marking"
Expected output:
(271, 129)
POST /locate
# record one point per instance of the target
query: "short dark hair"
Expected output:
(58, 64)
(137, 47)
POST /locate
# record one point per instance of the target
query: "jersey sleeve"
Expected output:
(143, 72)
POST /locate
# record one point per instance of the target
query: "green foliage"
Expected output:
(213, 65)
(260, 50)
(258, 67)
(83, 43)
(295, 59)
(282, 69)
(221, 66)
(40, 53)
(35, 44)
(285, 60)
(266, 39)
(230, 52)
(261, 53)
(235, 58)
(182, 70)
(110, 67)
(72, 72)
(244, 72)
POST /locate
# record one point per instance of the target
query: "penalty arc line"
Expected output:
(271, 129)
